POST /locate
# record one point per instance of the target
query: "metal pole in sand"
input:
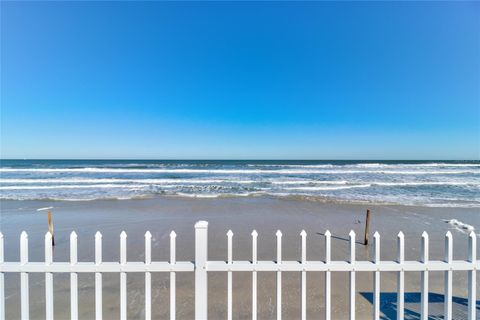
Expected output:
(50, 221)
(367, 222)
(50, 226)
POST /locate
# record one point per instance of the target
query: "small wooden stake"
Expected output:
(367, 222)
(50, 226)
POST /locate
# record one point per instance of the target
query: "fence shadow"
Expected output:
(388, 305)
(340, 238)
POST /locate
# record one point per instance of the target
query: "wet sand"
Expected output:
(242, 215)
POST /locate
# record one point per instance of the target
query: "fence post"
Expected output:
(2, 282)
(472, 276)
(48, 277)
(201, 256)
(24, 288)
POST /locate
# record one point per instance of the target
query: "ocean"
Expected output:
(422, 183)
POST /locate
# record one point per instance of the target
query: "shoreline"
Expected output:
(242, 215)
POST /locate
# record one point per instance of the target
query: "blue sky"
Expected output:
(227, 80)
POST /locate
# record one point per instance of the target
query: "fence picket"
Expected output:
(352, 276)
(400, 276)
(173, 290)
(201, 258)
(279, 275)
(424, 278)
(148, 276)
(48, 277)
(2, 280)
(24, 290)
(328, 279)
(202, 266)
(376, 278)
(73, 277)
(98, 276)
(254, 275)
(448, 277)
(472, 276)
(303, 234)
(123, 276)
(229, 275)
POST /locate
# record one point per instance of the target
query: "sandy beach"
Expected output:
(242, 215)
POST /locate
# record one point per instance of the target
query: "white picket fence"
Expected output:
(202, 266)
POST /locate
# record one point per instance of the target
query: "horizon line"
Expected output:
(211, 159)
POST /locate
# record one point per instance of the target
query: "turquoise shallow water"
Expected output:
(428, 183)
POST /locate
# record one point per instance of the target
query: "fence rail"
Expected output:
(202, 266)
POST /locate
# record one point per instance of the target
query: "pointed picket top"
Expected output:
(23, 247)
(401, 247)
(448, 246)
(229, 246)
(254, 246)
(98, 247)
(48, 248)
(173, 250)
(472, 247)
(279, 246)
(376, 244)
(1, 247)
(303, 234)
(123, 247)
(352, 246)
(73, 247)
(470, 235)
(328, 246)
(425, 247)
(148, 247)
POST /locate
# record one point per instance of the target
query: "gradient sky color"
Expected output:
(252, 80)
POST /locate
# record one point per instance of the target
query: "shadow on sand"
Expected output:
(388, 305)
(340, 238)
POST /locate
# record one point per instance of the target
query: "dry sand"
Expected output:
(242, 215)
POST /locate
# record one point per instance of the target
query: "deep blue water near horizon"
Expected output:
(434, 183)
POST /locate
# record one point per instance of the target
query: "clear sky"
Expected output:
(227, 80)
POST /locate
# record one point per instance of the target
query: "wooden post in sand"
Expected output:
(367, 222)
(50, 226)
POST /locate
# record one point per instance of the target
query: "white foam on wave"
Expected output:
(79, 186)
(217, 195)
(329, 188)
(287, 182)
(114, 180)
(425, 183)
(235, 171)
(367, 165)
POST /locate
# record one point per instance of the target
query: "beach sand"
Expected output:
(242, 215)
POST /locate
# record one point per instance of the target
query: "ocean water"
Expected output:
(425, 183)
